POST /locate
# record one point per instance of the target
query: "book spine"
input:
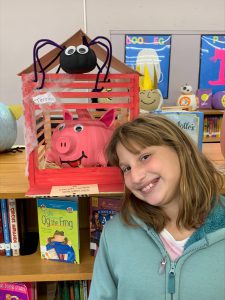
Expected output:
(76, 285)
(85, 290)
(2, 244)
(81, 290)
(72, 295)
(13, 227)
(5, 226)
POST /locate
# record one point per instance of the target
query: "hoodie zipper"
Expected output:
(171, 282)
(162, 266)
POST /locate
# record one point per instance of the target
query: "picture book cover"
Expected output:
(102, 209)
(191, 122)
(59, 229)
(13, 291)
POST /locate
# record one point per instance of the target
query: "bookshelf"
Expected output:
(212, 125)
(14, 184)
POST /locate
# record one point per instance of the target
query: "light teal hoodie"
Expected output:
(132, 263)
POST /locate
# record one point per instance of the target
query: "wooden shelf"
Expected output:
(211, 140)
(14, 184)
(33, 268)
(212, 111)
(211, 131)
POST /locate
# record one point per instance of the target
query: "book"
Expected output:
(5, 226)
(81, 290)
(66, 290)
(191, 122)
(59, 229)
(85, 291)
(13, 291)
(28, 236)
(31, 289)
(13, 227)
(76, 286)
(72, 295)
(2, 244)
(102, 209)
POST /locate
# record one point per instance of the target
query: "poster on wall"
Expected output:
(150, 54)
(212, 63)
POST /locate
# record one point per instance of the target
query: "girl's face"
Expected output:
(153, 175)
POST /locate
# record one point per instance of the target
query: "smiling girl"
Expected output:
(168, 242)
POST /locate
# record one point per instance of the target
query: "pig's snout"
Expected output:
(63, 145)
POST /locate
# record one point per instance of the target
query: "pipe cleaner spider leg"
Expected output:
(45, 42)
(36, 58)
(52, 61)
(107, 60)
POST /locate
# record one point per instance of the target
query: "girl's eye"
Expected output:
(125, 169)
(145, 156)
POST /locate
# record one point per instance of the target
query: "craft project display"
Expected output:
(151, 98)
(81, 142)
(64, 144)
(66, 129)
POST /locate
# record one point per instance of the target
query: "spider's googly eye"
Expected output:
(82, 49)
(78, 128)
(70, 50)
(61, 127)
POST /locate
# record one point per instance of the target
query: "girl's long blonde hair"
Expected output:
(200, 182)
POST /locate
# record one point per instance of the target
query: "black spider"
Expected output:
(74, 59)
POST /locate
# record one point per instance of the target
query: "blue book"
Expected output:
(191, 122)
(5, 226)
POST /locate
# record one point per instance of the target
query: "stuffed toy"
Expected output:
(81, 142)
(187, 98)
(218, 100)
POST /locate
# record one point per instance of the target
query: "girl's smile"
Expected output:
(152, 175)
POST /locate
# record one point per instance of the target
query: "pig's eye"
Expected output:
(78, 128)
(61, 126)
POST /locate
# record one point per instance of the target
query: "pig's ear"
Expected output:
(108, 118)
(83, 114)
(67, 115)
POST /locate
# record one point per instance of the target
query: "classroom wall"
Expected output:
(24, 22)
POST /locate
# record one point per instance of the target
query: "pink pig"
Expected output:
(81, 142)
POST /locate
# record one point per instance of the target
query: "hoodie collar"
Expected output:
(214, 222)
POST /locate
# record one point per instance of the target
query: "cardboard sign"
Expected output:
(69, 190)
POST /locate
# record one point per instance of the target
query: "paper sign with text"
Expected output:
(74, 190)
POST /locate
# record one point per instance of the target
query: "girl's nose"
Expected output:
(137, 175)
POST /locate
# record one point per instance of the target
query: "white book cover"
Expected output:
(13, 227)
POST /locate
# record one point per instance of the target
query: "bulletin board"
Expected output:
(212, 63)
(186, 65)
(153, 52)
